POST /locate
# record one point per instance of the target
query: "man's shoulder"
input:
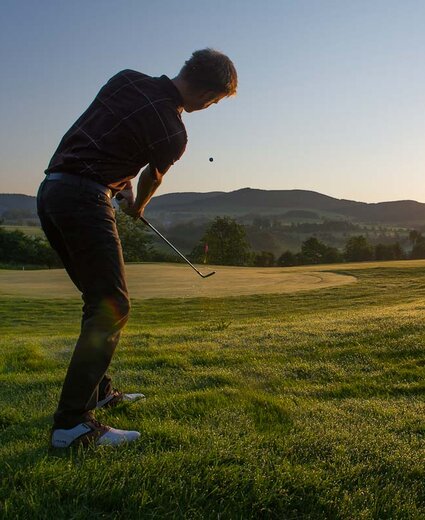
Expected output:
(152, 100)
(132, 72)
(143, 83)
(129, 82)
(129, 75)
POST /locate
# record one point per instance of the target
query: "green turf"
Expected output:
(294, 406)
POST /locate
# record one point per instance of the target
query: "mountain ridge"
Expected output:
(262, 202)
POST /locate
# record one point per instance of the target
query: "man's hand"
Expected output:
(128, 206)
(134, 211)
(150, 179)
(127, 196)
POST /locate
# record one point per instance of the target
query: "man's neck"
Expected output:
(181, 86)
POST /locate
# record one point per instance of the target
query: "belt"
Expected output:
(78, 180)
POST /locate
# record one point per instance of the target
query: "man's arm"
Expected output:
(149, 181)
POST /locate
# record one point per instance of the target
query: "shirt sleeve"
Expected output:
(164, 153)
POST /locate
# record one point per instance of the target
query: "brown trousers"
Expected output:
(79, 222)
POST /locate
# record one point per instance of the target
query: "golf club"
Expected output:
(122, 203)
(175, 249)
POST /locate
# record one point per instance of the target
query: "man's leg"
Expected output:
(105, 387)
(57, 242)
(86, 226)
(100, 267)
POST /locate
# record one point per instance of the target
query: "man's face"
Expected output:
(202, 100)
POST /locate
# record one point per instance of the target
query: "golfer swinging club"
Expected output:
(134, 122)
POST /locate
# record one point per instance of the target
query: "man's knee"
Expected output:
(120, 309)
(110, 312)
(124, 308)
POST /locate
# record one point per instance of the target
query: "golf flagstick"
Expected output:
(175, 249)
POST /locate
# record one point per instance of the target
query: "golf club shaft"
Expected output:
(174, 248)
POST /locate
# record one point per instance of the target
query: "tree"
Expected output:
(388, 252)
(18, 248)
(261, 222)
(136, 241)
(418, 244)
(418, 250)
(358, 249)
(264, 259)
(287, 259)
(44, 254)
(332, 256)
(313, 251)
(415, 236)
(226, 241)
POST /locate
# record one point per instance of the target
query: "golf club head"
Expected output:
(207, 275)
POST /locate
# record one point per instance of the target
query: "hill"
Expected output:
(265, 202)
(16, 201)
(290, 204)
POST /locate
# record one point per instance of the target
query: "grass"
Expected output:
(307, 405)
(153, 280)
(161, 280)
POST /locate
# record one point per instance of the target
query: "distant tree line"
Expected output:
(22, 217)
(224, 242)
(327, 225)
(357, 249)
(304, 227)
(18, 249)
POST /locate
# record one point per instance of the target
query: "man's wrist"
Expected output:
(138, 205)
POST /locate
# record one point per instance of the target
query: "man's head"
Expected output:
(206, 77)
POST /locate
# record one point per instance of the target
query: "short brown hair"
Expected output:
(208, 69)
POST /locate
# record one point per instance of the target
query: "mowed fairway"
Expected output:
(176, 281)
(305, 404)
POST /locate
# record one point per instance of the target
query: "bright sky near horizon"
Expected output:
(331, 93)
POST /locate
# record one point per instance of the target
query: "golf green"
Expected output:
(177, 281)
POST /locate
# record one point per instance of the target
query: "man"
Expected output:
(134, 122)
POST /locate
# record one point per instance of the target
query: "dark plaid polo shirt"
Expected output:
(134, 120)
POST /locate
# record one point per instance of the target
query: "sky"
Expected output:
(331, 93)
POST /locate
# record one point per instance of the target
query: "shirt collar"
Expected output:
(171, 89)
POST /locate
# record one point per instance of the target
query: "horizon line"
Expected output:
(257, 189)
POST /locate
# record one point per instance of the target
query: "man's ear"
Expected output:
(206, 95)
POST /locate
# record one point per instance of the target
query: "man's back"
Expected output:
(134, 120)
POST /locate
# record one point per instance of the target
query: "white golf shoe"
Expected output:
(91, 432)
(116, 397)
